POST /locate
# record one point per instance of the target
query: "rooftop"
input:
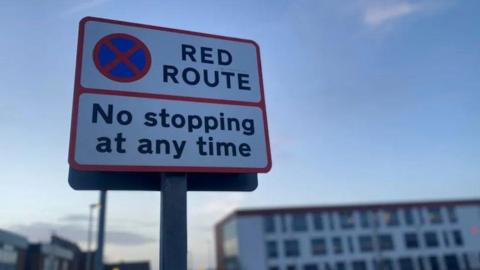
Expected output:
(13, 239)
(346, 207)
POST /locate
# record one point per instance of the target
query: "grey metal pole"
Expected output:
(101, 230)
(89, 240)
(173, 222)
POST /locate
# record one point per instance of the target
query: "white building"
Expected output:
(12, 251)
(441, 235)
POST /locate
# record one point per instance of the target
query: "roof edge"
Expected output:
(349, 206)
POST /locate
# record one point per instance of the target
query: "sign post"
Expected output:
(173, 221)
(152, 101)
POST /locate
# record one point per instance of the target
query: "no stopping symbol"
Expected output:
(122, 57)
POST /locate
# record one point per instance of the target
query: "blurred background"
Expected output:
(373, 111)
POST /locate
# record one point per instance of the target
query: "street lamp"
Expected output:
(89, 240)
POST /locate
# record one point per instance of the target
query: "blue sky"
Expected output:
(367, 101)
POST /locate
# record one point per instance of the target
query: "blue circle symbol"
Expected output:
(122, 57)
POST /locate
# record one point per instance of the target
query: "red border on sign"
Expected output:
(78, 90)
(139, 45)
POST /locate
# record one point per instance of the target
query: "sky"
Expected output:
(367, 101)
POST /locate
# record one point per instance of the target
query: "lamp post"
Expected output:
(89, 239)
(101, 231)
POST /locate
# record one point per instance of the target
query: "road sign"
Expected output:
(157, 99)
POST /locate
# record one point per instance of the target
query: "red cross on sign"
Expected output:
(122, 57)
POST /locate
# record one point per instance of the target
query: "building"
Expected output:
(49, 256)
(16, 253)
(13, 249)
(78, 261)
(441, 235)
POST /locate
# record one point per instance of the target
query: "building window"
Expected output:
(411, 240)
(365, 242)
(420, 215)
(330, 221)
(375, 217)
(346, 220)
(359, 265)
(445, 239)
(291, 267)
(310, 266)
(319, 246)
(230, 239)
(434, 215)
(327, 266)
(273, 268)
(466, 260)
(457, 238)
(384, 264)
(421, 263)
(317, 221)
(8, 256)
(269, 224)
(431, 239)
(408, 214)
(340, 266)
(364, 219)
(452, 214)
(272, 249)
(337, 245)
(283, 222)
(385, 242)
(405, 264)
(231, 263)
(390, 217)
(434, 264)
(451, 262)
(291, 248)
(299, 222)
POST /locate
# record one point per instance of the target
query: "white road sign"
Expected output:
(156, 99)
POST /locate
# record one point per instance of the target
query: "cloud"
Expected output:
(127, 238)
(214, 208)
(229, 203)
(377, 15)
(81, 219)
(75, 218)
(41, 231)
